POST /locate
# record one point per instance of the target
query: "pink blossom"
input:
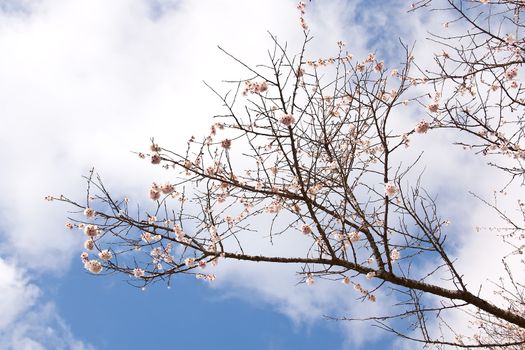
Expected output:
(211, 170)
(91, 230)
(167, 188)
(303, 23)
(178, 232)
(433, 107)
(310, 279)
(226, 144)
(89, 213)
(146, 237)
(394, 254)
(154, 148)
(253, 88)
(422, 127)
(287, 119)
(353, 236)
(154, 194)
(274, 207)
(89, 244)
(390, 189)
(263, 86)
(511, 73)
(93, 266)
(306, 229)
(138, 273)
(105, 255)
(155, 158)
(378, 67)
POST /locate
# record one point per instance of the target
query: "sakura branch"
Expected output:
(304, 150)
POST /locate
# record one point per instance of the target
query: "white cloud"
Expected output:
(24, 322)
(18, 294)
(41, 328)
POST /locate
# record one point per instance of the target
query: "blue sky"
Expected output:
(84, 83)
(187, 315)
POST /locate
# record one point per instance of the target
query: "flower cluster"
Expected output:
(161, 254)
(105, 255)
(89, 213)
(301, 7)
(226, 144)
(309, 279)
(155, 190)
(390, 189)
(364, 292)
(251, 87)
(93, 266)
(395, 255)
(305, 229)
(422, 127)
(287, 120)
(149, 238)
(353, 236)
(209, 277)
(138, 273)
(274, 207)
(378, 67)
(89, 244)
(91, 230)
(511, 73)
(433, 107)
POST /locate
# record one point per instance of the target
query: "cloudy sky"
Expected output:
(85, 83)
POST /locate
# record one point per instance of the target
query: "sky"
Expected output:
(86, 83)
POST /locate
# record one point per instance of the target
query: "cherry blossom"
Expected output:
(138, 272)
(105, 255)
(422, 127)
(93, 266)
(390, 189)
(89, 213)
(305, 229)
(433, 107)
(91, 230)
(287, 120)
